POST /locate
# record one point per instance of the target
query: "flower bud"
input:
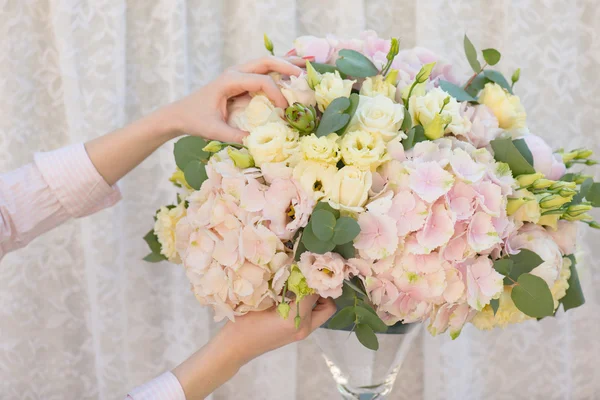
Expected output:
(566, 157)
(178, 179)
(301, 117)
(591, 162)
(579, 179)
(542, 183)
(392, 77)
(213, 147)
(514, 205)
(312, 76)
(297, 284)
(566, 192)
(297, 322)
(594, 225)
(435, 128)
(583, 154)
(527, 180)
(515, 76)
(578, 209)
(424, 73)
(283, 309)
(563, 185)
(241, 159)
(580, 217)
(268, 44)
(394, 49)
(553, 201)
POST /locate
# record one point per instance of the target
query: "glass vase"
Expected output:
(361, 373)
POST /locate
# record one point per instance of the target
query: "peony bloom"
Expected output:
(297, 90)
(324, 273)
(379, 115)
(423, 110)
(288, 207)
(506, 107)
(271, 143)
(164, 229)
(322, 149)
(310, 46)
(330, 88)
(364, 150)
(565, 236)
(316, 178)
(484, 125)
(350, 188)
(376, 85)
(544, 160)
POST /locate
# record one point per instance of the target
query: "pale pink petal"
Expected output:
(461, 199)
(378, 237)
(438, 229)
(490, 198)
(465, 167)
(409, 212)
(253, 196)
(481, 233)
(430, 181)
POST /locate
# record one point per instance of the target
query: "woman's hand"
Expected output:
(204, 113)
(248, 337)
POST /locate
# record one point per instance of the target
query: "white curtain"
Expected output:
(82, 317)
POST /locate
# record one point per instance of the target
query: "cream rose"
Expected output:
(324, 149)
(297, 90)
(330, 88)
(350, 188)
(259, 111)
(424, 108)
(315, 177)
(164, 228)
(376, 85)
(505, 106)
(272, 143)
(364, 150)
(380, 115)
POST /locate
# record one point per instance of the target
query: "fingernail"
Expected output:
(292, 52)
(309, 58)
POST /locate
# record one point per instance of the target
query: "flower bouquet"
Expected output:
(388, 184)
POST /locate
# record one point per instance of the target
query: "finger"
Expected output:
(240, 83)
(298, 61)
(270, 64)
(307, 304)
(324, 310)
(225, 133)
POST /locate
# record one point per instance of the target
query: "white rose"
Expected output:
(164, 228)
(350, 188)
(272, 143)
(330, 88)
(324, 149)
(378, 114)
(424, 108)
(259, 111)
(505, 106)
(296, 90)
(315, 177)
(376, 85)
(364, 150)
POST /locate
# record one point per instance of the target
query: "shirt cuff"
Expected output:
(165, 387)
(74, 180)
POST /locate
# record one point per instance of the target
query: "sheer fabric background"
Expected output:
(82, 317)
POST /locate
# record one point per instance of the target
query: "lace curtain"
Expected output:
(82, 317)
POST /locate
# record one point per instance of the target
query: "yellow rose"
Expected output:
(423, 110)
(350, 188)
(376, 85)
(380, 115)
(364, 150)
(164, 228)
(324, 149)
(330, 88)
(505, 106)
(315, 177)
(259, 111)
(272, 143)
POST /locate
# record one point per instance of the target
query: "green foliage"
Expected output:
(593, 195)
(354, 100)
(407, 121)
(154, 258)
(424, 73)
(584, 191)
(471, 54)
(195, 174)
(505, 151)
(495, 304)
(346, 229)
(476, 85)
(324, 68)
(521, 145)
(498, 78)
(323, 205)
(503, 266)
(152, 242)
(353, 63)
(491, 56)
(367, 337)
(334, 118)
(574, 297)
(189, 148)
(345, 250)
(327, 231)
(414, 135)
(523, 262)
(366, 315)
(322, 223)
(313, 244)
(456, 91)
(343, 318)
(533, 296)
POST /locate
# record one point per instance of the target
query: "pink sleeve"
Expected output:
(58, 185)
(165, 387)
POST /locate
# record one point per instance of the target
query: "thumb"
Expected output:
(324, 310)
(225, 133)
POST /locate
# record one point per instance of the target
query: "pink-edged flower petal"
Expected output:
(430, 181)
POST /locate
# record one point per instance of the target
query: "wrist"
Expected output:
(168, 122)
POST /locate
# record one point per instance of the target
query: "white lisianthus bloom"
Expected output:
(330, 88)
(424, 108)
(376, 85)
(315, 177)
(272, 143)
(505, 106)
(364, 150)
(323, 149)
(164, 228)
(297, 90)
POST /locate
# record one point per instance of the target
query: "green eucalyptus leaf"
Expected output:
(354, 100)
(353, 63)
(419, 134)
(570, 177)
(494, 303)
(189, 148)
(152, 241)
(409, 142)
(154, 258)
(195, 174)
(456, 91)
(476, 85)
(498, 78)
(367, 317)
(574, 297)
(533, 296)
(491, 56)
(322, 224)
(334, 118)
(593, 194)
(323, 205)
(471, 54)
(313, 244)
(523, 262)
(407, 121)
(503, 266)
(354, 286)
(366, 336)
(346, 250)
(346, 229)
(343, 318)
(505, 151)
(325, 68)
(521, 145)
(584, 191)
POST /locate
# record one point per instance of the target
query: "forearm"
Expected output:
(117, 153)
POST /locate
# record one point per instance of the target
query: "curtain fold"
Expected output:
(83, 317)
